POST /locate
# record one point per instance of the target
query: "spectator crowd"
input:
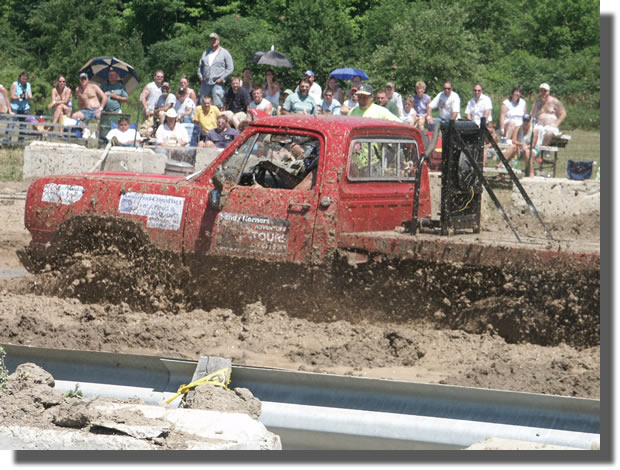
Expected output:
(225, 103)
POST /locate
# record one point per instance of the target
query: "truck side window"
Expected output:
(383, 159)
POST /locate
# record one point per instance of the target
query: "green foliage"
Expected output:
(154, 20)
(75, 393)
(318, 36)
(495, 42)
(428, 54)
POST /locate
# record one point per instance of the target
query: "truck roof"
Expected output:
(329, 124)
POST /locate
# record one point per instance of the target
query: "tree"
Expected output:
(318, 35)
(441, 48)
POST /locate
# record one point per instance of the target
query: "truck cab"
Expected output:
(288, 188)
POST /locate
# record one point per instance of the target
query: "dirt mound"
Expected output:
(30, 400)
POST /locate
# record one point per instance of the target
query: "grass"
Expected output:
(584, 146)
(11, 164)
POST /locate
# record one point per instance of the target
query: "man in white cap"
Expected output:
(216, 65)
(394, 97)
(549, 113)
(316, 92)
(91, 100)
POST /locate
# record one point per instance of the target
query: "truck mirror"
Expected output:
(215, 199)
(218, 179)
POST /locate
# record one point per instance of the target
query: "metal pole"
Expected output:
(515, 180)
(486, 185)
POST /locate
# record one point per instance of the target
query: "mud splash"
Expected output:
(105, 261)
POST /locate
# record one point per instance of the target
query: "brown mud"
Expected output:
(521, 330)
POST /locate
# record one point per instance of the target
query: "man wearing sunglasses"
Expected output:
(449, 105)
(91, 100)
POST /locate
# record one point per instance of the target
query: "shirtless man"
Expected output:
(4, 101)
(91, 100)
(549, 113)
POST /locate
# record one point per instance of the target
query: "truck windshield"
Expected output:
(274, 160)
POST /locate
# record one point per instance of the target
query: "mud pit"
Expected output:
(483, 328)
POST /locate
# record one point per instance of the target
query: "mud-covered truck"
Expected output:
(324, 212)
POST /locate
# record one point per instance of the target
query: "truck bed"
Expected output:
(485, 248)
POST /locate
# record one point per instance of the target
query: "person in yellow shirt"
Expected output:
(206, 116)
(366, 108)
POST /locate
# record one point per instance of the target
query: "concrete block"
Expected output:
(559, 196)
(49, 158)
(204, 157)
(135, 159)
(495, 443)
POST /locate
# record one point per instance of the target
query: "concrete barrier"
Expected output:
(559, 196)
(201, 430)
(49, 158)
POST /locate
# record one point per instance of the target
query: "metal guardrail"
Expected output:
(16, 130)
(320, 411)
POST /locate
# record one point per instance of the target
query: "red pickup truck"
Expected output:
(293, 190)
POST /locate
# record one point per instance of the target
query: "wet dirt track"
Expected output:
(529, 331)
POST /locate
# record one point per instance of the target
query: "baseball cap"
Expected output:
(165, 85)
(288, 91)
(545, 86)
(83, 75)
(389, 85)
(171, 113)
(309, 72)
(353, 89)
(214, 35)
(365, 89)
(526, 117)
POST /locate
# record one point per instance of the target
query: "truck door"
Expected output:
(270, 197)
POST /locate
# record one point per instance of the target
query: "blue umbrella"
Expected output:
(348, 73)
(98, 68)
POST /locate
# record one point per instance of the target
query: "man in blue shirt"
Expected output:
(300, 102)
(222, 136)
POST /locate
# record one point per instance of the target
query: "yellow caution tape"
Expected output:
(219, 378)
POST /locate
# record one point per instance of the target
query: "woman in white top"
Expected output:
(272, 89)
(184, 83)
(511, 117)
(184, 106)
(409, 114)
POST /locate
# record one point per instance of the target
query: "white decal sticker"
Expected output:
(242, 233)
(62, 193)
(163, 212)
